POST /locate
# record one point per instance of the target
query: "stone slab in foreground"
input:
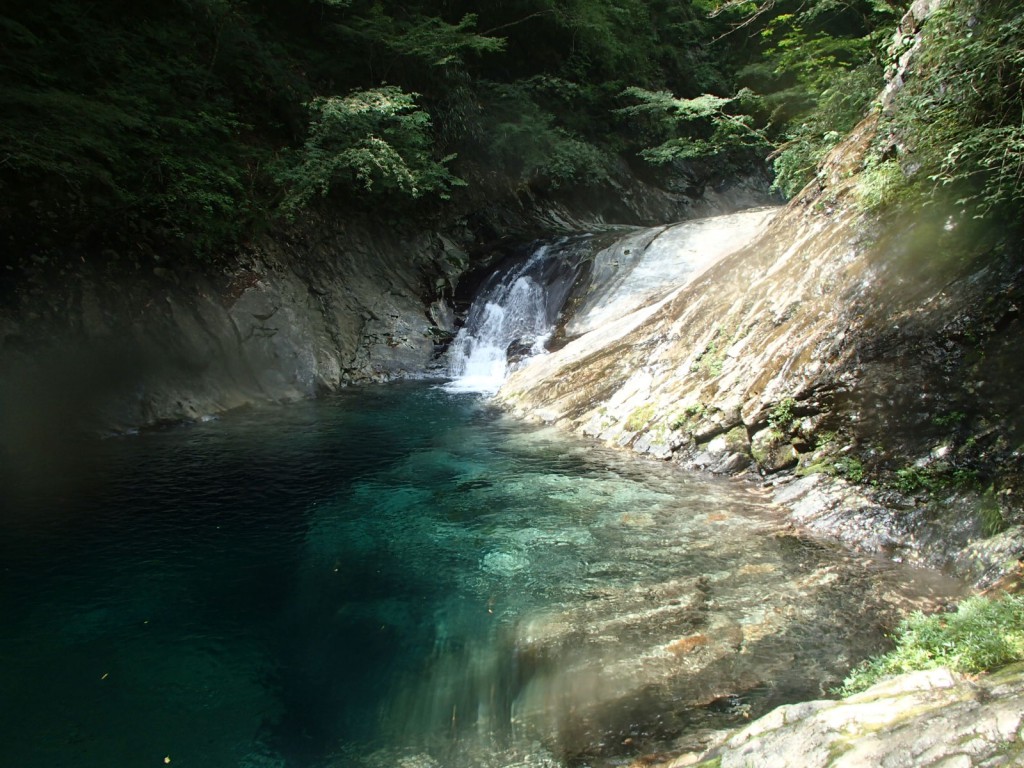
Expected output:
(933, 718)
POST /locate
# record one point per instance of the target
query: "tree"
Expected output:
(376, 140)
(720, 127)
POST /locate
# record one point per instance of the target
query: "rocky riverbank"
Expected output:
(824, 350)
(929, 718)
(858, 360)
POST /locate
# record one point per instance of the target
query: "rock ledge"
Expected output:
(929, 718)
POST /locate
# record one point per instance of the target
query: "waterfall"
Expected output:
(517, 309)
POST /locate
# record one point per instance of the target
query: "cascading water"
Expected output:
(520, 307)
(479, 358)
(517, 307)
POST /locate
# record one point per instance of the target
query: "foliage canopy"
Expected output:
(958, 125)
(188, 125)
(376, 140)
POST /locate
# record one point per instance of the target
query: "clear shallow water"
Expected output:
(399, 576)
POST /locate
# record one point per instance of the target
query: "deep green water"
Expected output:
(399, 576)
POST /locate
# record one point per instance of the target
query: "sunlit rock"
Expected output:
(933, 717)
(833, 339)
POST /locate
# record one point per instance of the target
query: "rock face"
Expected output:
(122, 348)
(840, 341)
(644, 266)
(756, 327)
(931, 718)
(768, 324)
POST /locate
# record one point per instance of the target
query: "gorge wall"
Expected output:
(120, 348)
(114, 343)
(847, 343)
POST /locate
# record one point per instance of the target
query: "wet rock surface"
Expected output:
(643, 266)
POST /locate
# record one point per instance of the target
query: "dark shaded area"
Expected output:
(941, 374)
(177, 132)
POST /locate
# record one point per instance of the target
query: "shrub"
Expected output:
(640, 417)
(981, 635)
(705, 126)
(377, 140)
(526, 141)
(820, 70)
(959, 116)
(783, 414)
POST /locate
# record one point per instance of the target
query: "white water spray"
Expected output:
(515, 310)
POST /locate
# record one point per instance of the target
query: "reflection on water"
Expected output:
(401, 576)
